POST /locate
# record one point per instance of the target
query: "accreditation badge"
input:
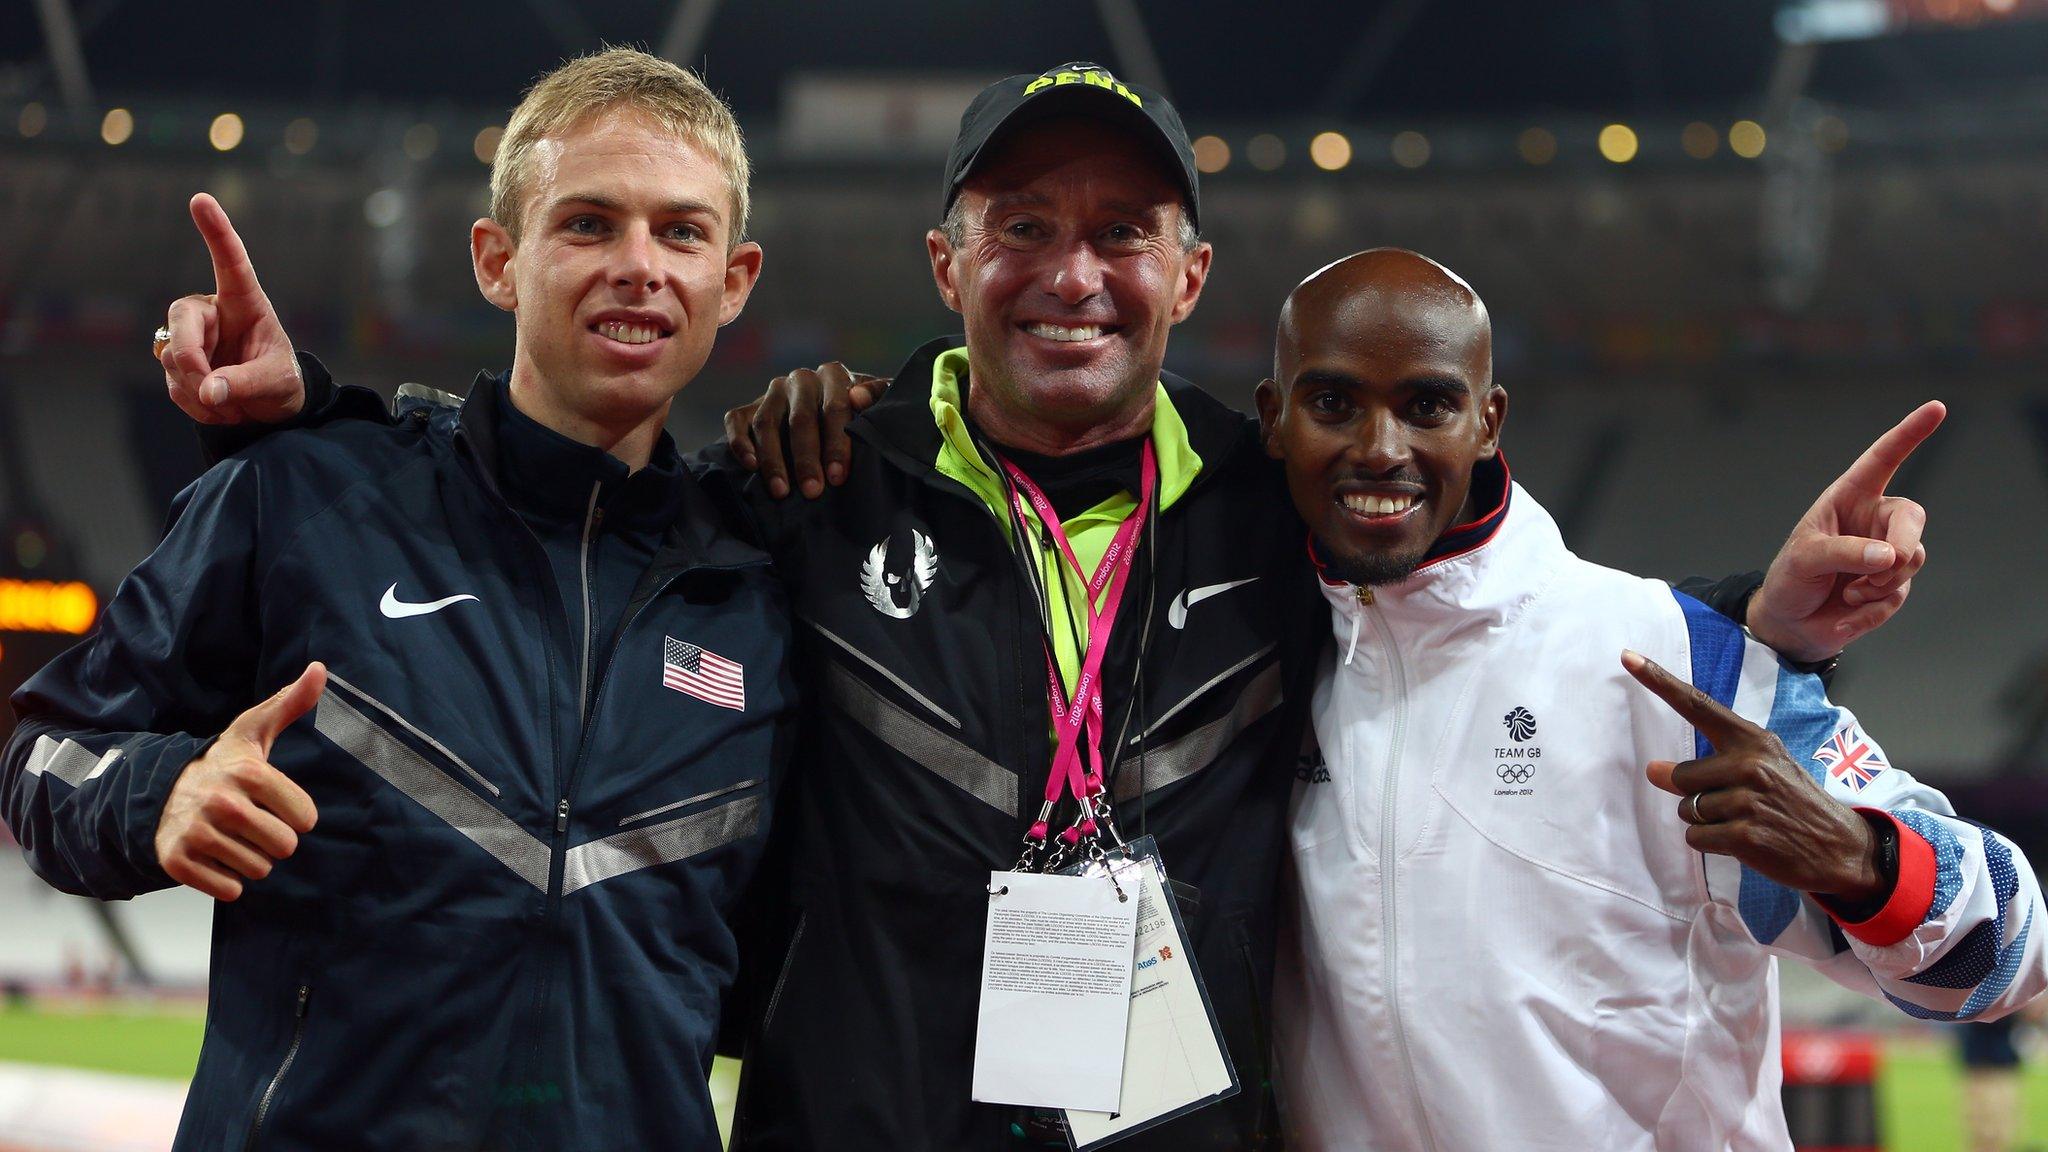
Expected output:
(1055, 988)
(1174, 1056)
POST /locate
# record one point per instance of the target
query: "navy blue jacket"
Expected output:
(509, 928)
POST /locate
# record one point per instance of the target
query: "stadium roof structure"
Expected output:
(1220, 59)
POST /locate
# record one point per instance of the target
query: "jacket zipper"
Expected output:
(1028, 642)
(591, 519)
(563, 806)
(589, 689)
(557, 845)
(290, 1054)
(1390, 886)
(1259, 1043)
(788, 962)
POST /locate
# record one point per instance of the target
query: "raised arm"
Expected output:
(227, 358)
(1849, 563)
(228, 363)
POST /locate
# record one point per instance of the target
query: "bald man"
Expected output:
(1509, 934)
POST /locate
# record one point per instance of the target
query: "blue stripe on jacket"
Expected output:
(1718, 647)
(1803, 719)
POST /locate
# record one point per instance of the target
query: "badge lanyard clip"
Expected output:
(1071, 772)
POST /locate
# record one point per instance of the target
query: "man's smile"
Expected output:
(631, 331)
(1068, 334)
(1378, 506)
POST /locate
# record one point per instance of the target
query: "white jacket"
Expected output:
(1503, 940)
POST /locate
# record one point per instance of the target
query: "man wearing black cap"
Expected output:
(936, 598)
(951, 588)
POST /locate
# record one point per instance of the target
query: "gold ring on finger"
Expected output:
(157, 342)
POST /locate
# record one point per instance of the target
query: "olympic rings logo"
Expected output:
(1515, 773)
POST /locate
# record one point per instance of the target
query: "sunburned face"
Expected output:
(1382, 404)
(623, 275)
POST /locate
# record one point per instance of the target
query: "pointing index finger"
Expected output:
(1872, 472)
(1712, 718)
(233, 274)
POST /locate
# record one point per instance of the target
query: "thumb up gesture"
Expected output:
(231, 816)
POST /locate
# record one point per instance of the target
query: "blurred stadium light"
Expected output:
(1833, 21)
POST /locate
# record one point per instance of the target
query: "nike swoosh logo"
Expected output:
(397, 609)
(1177, 612)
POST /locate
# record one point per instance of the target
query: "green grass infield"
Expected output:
(1919, 1087)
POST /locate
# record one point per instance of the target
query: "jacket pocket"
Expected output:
(649, 845)
(1159, 762)
(922, 742)
(688, 802)
(788, 962)
(284, 1067)
(360, 697)
(346, 715)
(747, 1114)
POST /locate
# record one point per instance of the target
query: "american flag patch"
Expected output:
(1850, 757)
(706, 675)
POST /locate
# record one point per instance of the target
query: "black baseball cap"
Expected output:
(1077, 88)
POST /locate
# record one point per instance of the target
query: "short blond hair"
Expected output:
(617, 78)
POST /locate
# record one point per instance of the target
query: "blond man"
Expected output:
(469, 722)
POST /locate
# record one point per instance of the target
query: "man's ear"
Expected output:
(1192, 278)
(1493, 414)
(1267, 398)
(742, 269)
(941, 252)
(490, 255)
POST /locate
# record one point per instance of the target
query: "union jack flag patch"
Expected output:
(702, 673)
(1851, 757)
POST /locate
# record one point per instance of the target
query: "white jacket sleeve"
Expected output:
(1960, 938)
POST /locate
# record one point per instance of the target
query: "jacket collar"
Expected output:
(703, 520)
(901, 425)
(1493, 489)
(959, 457)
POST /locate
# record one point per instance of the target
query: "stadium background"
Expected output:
(1724, 243)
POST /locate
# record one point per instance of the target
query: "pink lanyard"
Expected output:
(1069, 717)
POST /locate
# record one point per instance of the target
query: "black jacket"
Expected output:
(927, 749)
(510, 928)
